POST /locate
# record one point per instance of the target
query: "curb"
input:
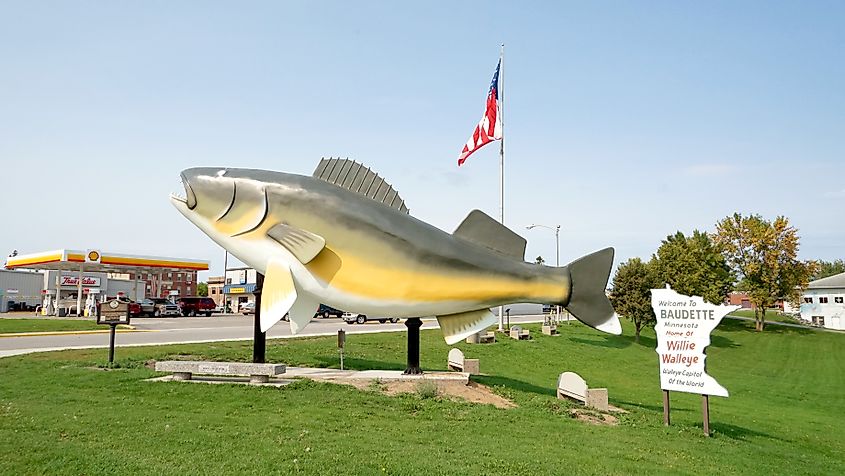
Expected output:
(124, 330)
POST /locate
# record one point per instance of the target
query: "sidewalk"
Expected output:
(359, 378)
(342, 375)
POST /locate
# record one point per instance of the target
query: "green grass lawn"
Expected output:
(772, 315)
(62, 413)
(47, 325)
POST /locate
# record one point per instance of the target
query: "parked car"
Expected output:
(195, 305)
(134, 307)
(327, 311)
(157, 307)
(249, 308)
(353, 318)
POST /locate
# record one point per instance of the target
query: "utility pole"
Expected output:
(555, 229)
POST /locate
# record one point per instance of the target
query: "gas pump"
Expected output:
(91, 302)
(47, 305)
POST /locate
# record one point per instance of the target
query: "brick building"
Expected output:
(168, 283)
(215, 289)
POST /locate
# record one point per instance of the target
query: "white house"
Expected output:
(823, 303)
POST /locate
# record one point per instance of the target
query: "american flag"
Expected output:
(490, 126)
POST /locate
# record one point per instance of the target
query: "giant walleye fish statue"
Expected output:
(344, 238)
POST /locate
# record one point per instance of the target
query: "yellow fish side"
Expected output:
(374, 279)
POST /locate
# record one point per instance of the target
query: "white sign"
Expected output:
(683, 328)
(12, 291)
(89, 281)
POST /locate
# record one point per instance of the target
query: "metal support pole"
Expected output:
(58, 289)
(341, 343)
(547, 320)
(705, 410)
(79, 292)
(666, 407)
(111, 342)
(413, 324)
(259, 339)
(501, 93)
(557, 265)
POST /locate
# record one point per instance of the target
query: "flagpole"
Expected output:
(502, 154)
(502, 143)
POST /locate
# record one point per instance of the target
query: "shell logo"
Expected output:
(93, 256)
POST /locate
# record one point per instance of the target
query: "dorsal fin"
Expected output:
(355, 177)
(480, 228)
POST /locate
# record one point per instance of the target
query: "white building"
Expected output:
(823, 303)
(20, 290)
(238, 287)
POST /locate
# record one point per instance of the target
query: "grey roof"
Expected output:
(835, 281)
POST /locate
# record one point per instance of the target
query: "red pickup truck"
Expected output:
(195, 305)
(134, 307)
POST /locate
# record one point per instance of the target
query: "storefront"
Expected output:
(95, 287)
(239, 288)
(76, 280)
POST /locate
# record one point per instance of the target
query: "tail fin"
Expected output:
(587, 300)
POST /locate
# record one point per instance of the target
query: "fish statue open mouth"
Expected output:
(343, 237)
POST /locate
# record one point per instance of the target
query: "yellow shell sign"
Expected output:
(93, 256)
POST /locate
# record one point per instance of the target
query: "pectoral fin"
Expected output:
(302, 311)
(303, 244)
(278, 294)
(457, 327)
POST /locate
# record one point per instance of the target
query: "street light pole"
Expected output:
(556, 229)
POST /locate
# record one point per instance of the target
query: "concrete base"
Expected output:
(328, 375)
(340, 375)
(182, 375)
(597, 398)
(275, 382)
(472, 366)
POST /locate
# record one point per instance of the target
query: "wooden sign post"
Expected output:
(705, 411)
(113, 313)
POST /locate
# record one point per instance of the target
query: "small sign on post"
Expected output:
(341, 343)
(113, 313)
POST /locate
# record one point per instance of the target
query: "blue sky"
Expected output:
(624, 121)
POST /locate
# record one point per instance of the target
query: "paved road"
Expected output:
(182, 330)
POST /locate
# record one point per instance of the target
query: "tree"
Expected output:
(631, 293)
(202, 289)
(692, 265)
(829, 268)
(764, 256)
(539, 260)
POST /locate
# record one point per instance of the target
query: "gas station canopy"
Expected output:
(102, 261)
